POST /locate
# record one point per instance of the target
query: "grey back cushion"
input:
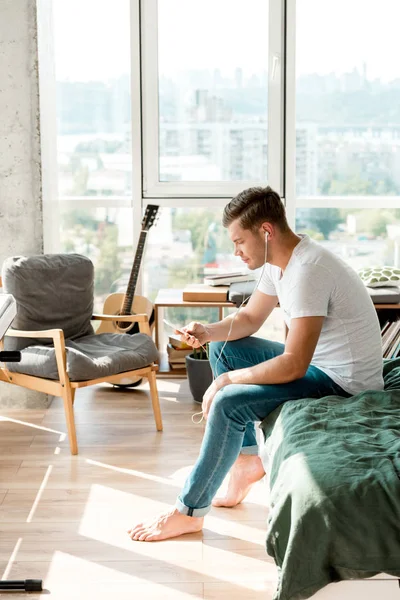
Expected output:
(52, 291)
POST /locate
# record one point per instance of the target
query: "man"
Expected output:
(333, 347)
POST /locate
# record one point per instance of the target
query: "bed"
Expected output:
(333, 470)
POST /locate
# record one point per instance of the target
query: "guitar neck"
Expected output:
(130, 290)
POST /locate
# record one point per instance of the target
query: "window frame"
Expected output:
(194, 190)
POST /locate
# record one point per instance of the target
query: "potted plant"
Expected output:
(199, 373)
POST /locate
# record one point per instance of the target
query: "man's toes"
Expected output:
(152, 537)
(144, 536)
(132, 532)
(133, 529)
(135, 534)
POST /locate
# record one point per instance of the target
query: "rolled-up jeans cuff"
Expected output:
(191, 512)
(249, 450)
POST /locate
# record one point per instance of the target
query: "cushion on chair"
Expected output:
(90, 357)
(52, 291)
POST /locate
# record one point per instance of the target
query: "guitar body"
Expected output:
(112, 306)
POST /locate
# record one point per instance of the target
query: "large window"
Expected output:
(92, 63)
(362, 237)
(184, 246)
(347, 98)
(207, 95)
(94, 137)
(184, 104)
(213, 96)
(105, 236)
(348, 128)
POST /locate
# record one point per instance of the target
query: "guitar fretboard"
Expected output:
(130, 290)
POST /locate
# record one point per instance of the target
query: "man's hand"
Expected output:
(195, 334)
(208, 397)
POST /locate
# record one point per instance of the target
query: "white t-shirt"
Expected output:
(318, 283)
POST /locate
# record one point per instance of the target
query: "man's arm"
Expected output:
(291, 365)
(248, 321)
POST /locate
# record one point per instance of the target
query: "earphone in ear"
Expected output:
(266, 235)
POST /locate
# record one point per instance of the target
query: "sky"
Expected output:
(92, 37)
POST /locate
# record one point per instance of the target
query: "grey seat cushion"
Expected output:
(52, 291)
(90, 357)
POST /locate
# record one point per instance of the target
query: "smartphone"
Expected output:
(174, 327)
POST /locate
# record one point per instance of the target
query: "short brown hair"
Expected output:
(255, 206)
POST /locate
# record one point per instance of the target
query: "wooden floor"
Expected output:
(63, 519)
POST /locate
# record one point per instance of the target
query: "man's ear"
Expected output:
(267, 230)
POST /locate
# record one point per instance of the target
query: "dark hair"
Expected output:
(255, 206)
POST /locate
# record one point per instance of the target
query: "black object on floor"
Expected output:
(23, 585)
(10, 356)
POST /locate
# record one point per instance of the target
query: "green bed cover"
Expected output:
(333, 466)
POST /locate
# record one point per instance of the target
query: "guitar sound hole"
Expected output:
(123, 325)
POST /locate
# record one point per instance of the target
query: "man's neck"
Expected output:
(287, 244)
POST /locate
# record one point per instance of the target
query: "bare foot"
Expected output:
(167, 525)
(247, 470)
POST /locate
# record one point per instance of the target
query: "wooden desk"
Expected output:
(169, 298)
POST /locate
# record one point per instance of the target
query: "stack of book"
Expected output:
(177, 352)
(391, 339)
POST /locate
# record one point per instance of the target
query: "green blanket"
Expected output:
(334, 475)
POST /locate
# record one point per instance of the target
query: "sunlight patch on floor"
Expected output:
(139, 474)
(109, 513)
(165, 386)
(39, 494)
(27, 424)
(11, 560)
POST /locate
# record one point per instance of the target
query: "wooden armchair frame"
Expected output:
(66, 388)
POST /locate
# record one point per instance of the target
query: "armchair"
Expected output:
(59, 350)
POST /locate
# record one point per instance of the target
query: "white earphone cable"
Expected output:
(231, 326)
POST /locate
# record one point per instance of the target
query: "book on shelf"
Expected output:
(178, 353)
(177, 356)
(177, 365)
(227, 278)
(175, 341)
(391, 339)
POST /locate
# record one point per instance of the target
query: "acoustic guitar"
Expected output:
(129, 303)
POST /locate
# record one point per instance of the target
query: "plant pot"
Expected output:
(199, 375)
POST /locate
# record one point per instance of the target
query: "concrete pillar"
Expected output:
(21, 214)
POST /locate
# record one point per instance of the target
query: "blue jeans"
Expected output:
(230, 426)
